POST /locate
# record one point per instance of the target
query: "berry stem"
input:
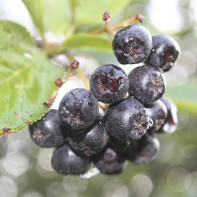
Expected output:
(110, 28)
(80, 73)
(59, 82)
(83, 78)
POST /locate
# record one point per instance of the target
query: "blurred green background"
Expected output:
(25, 169)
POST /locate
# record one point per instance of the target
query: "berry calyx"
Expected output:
(78, 109)
(146, 84)
(109, 83)
(126, 120)
(164, 53)
(132, 44)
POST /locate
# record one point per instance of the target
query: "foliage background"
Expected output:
(25, 168)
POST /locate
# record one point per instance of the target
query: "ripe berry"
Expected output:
(143, 150)
(171, 121)
(92, 141)
(164, 53)
(126, 120)
(132, 44)
(109, 162)
(65, 161)
(117, 144)
(157, 112)
(109, 83)
(146, 84)
(49, 131)
(78, 109)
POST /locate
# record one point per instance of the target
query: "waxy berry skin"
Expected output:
(146, 84)
(109, 83)
(171, 121)
(143, 150)
(126, 120)
(78, 109)
(49, 131)
(109, 162)
(91, 141)
(65, 161)
(164, 53)
(132, 44)
(157, 111)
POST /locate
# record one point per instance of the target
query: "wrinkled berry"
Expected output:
(109, 162)
(109, 83)
(78, 109)
(146, 84)
(143, 150)
(157, 112)
(164, 53)
(132, 44)
(171, 121)
(49, 131)
(126, 120)
(90, 142)
(65, 161)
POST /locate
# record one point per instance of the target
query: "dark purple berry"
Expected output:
(126, 120)
(132, 44)
(143, 150)
(171, 121)
(90, 142)
(49, 131)
(117, 144)
(146, 84)
(157, 112)
(109, 162)
(164, 53)
(65, 161)
(109, 83)
(78, 109)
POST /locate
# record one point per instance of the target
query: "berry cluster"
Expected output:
(137, 109)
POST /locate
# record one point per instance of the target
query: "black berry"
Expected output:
(109, 83)
(132, 44)
(157, 112)
(146, 84)
(109, 162)
(117, 144)
(126, 120)
(164, 53)
(143, 150)
(92, 141)
(78, 109)
(171, 121)
(49, 131)
(65, 161)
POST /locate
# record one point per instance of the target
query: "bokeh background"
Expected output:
(25, 169)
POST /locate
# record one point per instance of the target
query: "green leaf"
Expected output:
(35, 8)
(88, 41)
(186, 106)
(26, 78)
(83, 41)
(91, 11)
(184, 96)
(73, 4)
(57, 15)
